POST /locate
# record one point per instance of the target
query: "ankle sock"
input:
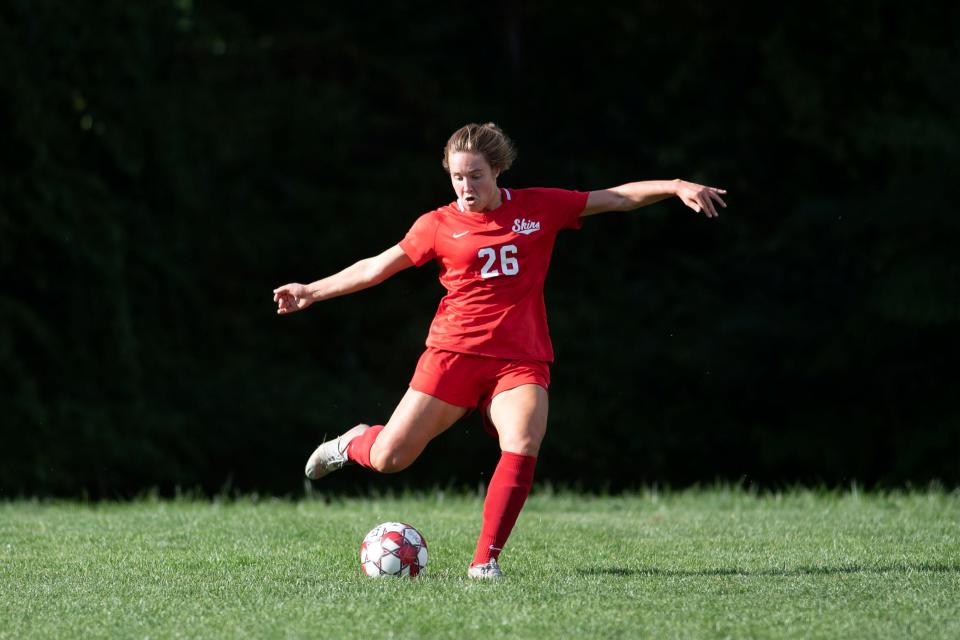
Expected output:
(359, 448)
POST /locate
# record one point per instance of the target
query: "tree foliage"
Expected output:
(164, 165)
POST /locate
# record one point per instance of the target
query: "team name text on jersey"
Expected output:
(524, 226)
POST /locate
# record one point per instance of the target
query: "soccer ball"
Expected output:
(393, 549)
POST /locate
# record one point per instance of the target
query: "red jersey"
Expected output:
(493, 265)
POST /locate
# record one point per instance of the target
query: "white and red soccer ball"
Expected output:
(393, 549)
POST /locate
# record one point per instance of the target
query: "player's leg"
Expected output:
(392, 447)
(520, 418)
(418, 419)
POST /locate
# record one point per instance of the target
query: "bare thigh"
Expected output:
(520, 416)
(418, 419)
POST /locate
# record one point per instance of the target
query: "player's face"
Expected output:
(474, 181)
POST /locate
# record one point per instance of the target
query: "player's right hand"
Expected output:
(291, 297)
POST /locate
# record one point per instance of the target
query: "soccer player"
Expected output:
(488, 347)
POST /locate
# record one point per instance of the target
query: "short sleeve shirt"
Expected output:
(493, 265)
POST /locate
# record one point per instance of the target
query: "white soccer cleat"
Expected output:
(486, 571)
(332, 454)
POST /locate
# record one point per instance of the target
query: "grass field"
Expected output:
(710, 563)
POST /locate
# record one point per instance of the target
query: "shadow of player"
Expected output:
(795, 571)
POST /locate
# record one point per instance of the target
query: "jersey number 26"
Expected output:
(508, 264)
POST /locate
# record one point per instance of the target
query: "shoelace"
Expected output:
(336, 456)
(341, 458)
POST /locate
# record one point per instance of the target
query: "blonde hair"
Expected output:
(487, 139)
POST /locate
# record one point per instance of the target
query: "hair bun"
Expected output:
(487, 139)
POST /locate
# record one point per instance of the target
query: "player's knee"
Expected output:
(389, 459)
(527, 444)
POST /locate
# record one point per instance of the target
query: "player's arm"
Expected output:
(360, 275)
(634, 195)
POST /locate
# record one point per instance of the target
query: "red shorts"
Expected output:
(472, 381)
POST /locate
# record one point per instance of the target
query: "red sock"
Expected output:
(359, 448)
(506, 494)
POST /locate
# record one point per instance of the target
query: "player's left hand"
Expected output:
(701, 198)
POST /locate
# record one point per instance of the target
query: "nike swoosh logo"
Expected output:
(461, 234)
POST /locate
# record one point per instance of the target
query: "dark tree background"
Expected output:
(164, 165)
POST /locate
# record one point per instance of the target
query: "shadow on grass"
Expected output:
(797, 571)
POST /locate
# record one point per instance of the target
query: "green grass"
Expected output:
(711, 563)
